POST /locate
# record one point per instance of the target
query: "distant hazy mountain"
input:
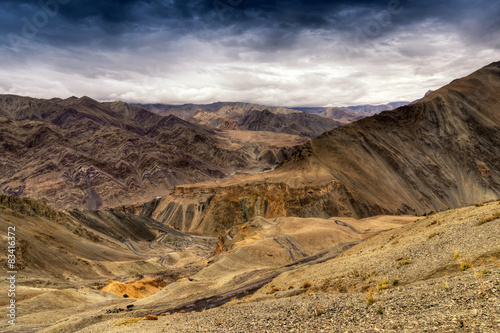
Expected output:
(347, 114)
(247, 116)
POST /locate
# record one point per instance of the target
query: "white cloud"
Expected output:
(318, 68)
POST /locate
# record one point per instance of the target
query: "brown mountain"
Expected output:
(78, 152)
(348, 114)
(442, 152)
(246, 116)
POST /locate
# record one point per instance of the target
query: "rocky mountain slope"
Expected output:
(83, 245)
(442, 152)
(64, 258)
(78, 152)
(439, 273)
(245, 116)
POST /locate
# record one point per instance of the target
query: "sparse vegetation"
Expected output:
(380, 311)
(495, 261)
(395, 282)
(291, 286)
(369, 274)
(483, 272)
(319, 310)
(355, 274)
(273, 290)
(465, 266)
(456, 255)
(151, 317)
(435, 234)
(402, 261)
(370, 300)
(383, 284)
(428, 214)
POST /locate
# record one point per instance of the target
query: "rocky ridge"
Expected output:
(245, 116)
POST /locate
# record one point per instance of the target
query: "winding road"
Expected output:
(344, 224)
(179, 243)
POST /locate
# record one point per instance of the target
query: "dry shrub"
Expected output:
(319, 310)
(465, 266)
(370, 300)
(273, 290)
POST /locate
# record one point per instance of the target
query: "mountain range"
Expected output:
(441, 152)
(78, 152)
(246, 116)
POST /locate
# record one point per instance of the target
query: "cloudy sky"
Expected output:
(274, 52)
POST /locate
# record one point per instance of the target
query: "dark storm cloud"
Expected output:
(82, 22)
(293, 52)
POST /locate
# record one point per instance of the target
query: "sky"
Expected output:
(273, 52)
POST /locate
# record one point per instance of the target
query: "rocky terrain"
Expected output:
(442, 152)
(79, 153)
(438, 274)
(65, 258)
(253, 117)
(76, 245)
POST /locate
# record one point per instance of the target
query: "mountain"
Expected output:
(347, 114)
(185, 110)
(246, 116)
(439, 153)
(55, 245)
(79, 153)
